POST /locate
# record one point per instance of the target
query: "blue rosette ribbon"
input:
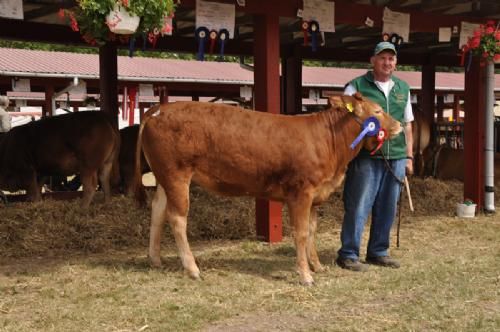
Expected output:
(371, 127)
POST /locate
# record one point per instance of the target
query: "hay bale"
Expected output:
(51, 227)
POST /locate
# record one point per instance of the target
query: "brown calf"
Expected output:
(298, 160)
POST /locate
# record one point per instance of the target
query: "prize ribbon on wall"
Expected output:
(131, 46)
(305, 31)
(201, 37)
(314, 31)
(213, 38)
(396, 40)
(223, 37)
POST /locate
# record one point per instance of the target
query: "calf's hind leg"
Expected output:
(158, 207)
(172, 204)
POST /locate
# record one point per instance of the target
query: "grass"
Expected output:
(449, 281)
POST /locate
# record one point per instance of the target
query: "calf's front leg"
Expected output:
(299, 209)
(312, 253)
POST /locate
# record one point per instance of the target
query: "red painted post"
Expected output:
(428, 93)
(267, 99)
(163, 95)
(474, 127)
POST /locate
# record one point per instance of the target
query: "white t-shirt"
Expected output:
(386, 87)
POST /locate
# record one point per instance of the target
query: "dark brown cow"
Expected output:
(298, 160)
(448, 164)
(83, 142)
(128, 136)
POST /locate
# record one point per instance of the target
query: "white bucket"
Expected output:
(466, 211)
(121, 22)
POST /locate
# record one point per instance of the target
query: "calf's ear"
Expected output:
(358, 96)
(335, 101)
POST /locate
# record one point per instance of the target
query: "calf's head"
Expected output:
(362, 108)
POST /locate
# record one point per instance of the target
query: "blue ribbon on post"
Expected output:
(396, 40)
(201, 37)
(131, 46)
(371, 127)
(223, 37)
(314, 31)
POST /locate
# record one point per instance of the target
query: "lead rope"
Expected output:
(401, 183)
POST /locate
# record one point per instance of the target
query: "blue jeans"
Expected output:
(370, 187)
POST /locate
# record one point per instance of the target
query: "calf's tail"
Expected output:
(139, 193)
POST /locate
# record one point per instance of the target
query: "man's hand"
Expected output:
(409, 167)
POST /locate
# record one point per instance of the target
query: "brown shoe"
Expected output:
(351, 264)
(384, 261)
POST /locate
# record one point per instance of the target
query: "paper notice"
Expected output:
(321, 11)
(396, 22)
(12, 9)
(466, 31)
(215, 16)
(444, 35)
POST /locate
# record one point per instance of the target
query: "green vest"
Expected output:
(395, 106)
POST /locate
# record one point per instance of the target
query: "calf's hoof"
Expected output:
(317, 267)
(155, 262)
(307, 283)
(306, 280)
(195, 275)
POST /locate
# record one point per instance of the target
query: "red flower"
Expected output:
(484, 43)
(74, 23)
(61, 13)
(474, 42)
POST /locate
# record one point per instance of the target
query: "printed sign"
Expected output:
(320, 11)
(215, 16)
(12, 9)
(398, 23)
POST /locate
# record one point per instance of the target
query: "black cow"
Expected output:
(86, 143)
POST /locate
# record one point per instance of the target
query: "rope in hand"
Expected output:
(401, 184)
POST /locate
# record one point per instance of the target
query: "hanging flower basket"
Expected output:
(121, 22)
(100, 21)
(485, 44)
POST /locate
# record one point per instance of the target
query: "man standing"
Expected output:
(4, 116)
(373, 184)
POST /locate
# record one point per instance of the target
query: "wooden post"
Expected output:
(108, 81)
(163, 95)
(292, 84)
(428, 95)
(48, 109)
(456, 107)
(440, 108)
(267, 99)
(474, 127)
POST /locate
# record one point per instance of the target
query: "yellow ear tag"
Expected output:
(349, 107)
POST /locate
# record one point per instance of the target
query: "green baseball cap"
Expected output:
(384, 46)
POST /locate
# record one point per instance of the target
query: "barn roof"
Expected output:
(37, 63)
